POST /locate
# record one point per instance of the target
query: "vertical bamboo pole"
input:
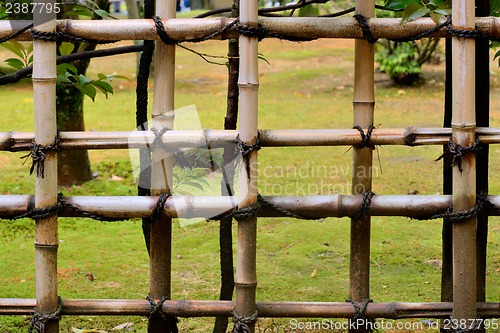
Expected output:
(464, 183)
(363, 104)
(162, 116)
(246, 276)
(46, 236)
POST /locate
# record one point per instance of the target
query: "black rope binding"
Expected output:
(261, 33)
(39, 320)
(246, 149)
(38, 153)
(365, 137)
(156, 312)
(61, 36)
(457, 152)
(251, 211)
(360, 308)
(482, 204)
(245, 30)
(15, 34)
(447, 23)
(177, 154)
(165, 38)
(39, 213)
(241, 322)
(365, 205)
(365, 27)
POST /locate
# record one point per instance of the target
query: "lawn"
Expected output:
(305, 85)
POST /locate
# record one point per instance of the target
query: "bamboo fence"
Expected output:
(245, 307)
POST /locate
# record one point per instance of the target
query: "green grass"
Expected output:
(306, 85)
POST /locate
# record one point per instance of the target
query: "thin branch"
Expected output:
(205, 56)
(25, 72)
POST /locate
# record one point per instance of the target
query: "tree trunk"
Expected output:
(73, 166)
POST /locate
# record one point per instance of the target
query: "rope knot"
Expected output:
(39, 320)
(38, 153)
(457, 152)
(365, 27)
(241, 322)
(248, 31)
(365, 137)
(365, 205)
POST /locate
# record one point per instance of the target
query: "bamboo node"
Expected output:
(241, 322)
(38, 153)
(457, 152)
(39, 320)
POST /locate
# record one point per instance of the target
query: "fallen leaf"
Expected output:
(116, 178)
(314, 273)
(122, 326)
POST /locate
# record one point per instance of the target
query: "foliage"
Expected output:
(403, 61)
(67, 74)
(398, 61)
(414, 9)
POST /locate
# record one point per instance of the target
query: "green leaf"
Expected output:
(102, 76)
(261, 57)
(63, 79)
(66, 48)
(104, 87)
(14, 47)
(193, 184)
(88, 90)
(15, 63)
(101, 13)
(112, 77)
(63, 68)
(399, 4)
(84, 80)
(414, 11)
(495, 7)
(443, 11)
(29, 50)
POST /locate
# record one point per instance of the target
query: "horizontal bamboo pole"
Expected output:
(20, 141)
(293, 27)
(189, 207)
(187, 308)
